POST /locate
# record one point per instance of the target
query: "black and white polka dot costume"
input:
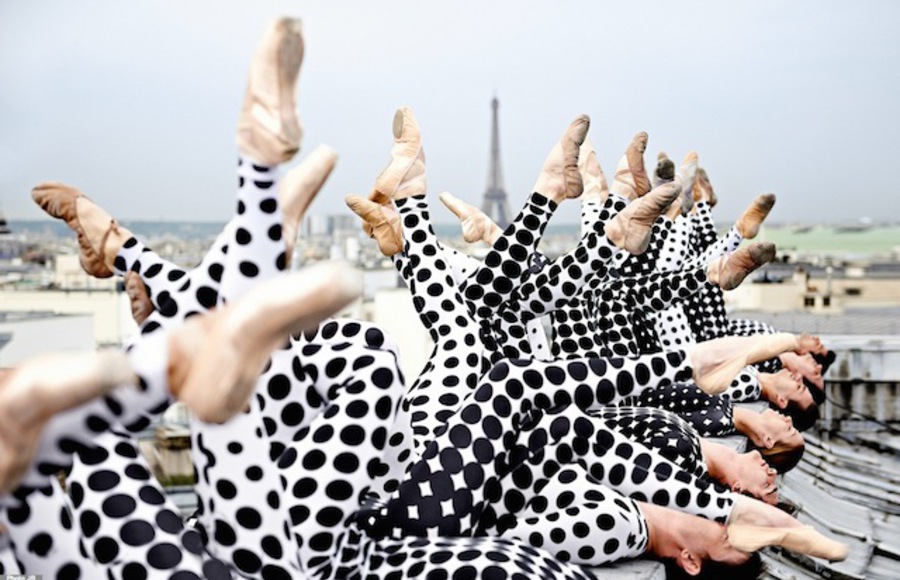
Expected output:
(709, 415)
(492, 558)
(132, 530)
(473, 479)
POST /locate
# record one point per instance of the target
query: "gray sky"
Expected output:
(136, 102)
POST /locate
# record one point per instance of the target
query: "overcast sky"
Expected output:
(136, 102)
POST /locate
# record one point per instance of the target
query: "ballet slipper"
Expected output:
(141, 306)
(687, 175)
(269, 130)
(727, 272)
(559, 178)
(717, 362)
(595, 187)
(673, 212)
(802, 540)
(703, 189)
(630, 180)
(299, 187)
(216, 359)
(665, 169)
(476, 225)
(31, 394)
(630, 230)
(99, 236)
(380, 222)
(750, 221)
(405, 174)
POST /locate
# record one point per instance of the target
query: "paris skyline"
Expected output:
(136, 104)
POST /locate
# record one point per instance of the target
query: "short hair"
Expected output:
(752, 569)
(803, 419)
(782, 461)
(818, 394)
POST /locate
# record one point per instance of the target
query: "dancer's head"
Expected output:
(806, 365)
(689, 541)
(778, 440)
(788, 390)
(752, 569)
(754, 476)
(803, 419)
(705, 543)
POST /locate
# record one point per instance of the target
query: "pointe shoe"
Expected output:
(802, 540)
(717, 362)
(405, 174)
(141, 306)
(631, 228)
(299, 187)
(268, 128)
(99, 236)
(380, 222)
(216, 359)
(750, 221)
(31, 394)
(703, 189)
(727, 272)
(559, 178)
(665, 169)
(688, 176)
(595, 186)
(630, 180)
(476, 225)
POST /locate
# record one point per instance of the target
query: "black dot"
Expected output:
(164, 556)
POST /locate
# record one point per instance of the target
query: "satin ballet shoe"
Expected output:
(703, 189)
(269, 130)
(476, 225)
(216, 359)
(405, 174)
(380, 222)
(665, 169)
(688, 176)
(727, 272)
(141, 306)
(630, 180)
(630, 230)
(717, 362)
(595, 186)
(560, 178)
(43, 386)
(299, 187)
(99, 236)
(802, 540)
(750, 221)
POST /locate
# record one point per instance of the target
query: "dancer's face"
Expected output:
(755, 477)
(778, 432)
(789, 388)
(709, 543)
(806, 366)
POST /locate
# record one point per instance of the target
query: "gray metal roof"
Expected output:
(856, 321)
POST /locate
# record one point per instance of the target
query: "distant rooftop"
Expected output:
(853, 321)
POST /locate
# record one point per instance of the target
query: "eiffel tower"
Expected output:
(495, 204)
